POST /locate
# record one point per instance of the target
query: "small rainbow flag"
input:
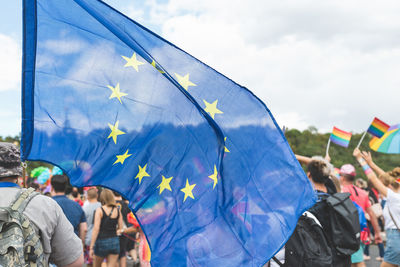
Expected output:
(389, 143)
(340, 137)
(378, 128)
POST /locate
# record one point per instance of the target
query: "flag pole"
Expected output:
(327, 147)
(24, 182)
(362, 138)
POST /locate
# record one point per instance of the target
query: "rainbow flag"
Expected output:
(389, 143)
(378, 128)
(336, 171)
(340, 137)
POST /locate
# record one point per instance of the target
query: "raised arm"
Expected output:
(363, 159)
(376, 183)
(303, 159)
(368, 158)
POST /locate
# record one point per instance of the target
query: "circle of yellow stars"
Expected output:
(184, 81)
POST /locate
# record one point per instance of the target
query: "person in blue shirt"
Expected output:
(71, 209)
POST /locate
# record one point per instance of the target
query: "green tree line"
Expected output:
(311, 143)
(307, 143)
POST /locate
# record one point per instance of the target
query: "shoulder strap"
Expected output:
(312, 216)
(22, 199)
(391, 216)
(355, 190)
(277, 261)
(104, 213)
(112, 209)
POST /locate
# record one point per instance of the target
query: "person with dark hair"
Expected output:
(360, 197)
(43, 213)
(72, 210)
(34, 186)
(123, 240)
(76, 196)
(318, 171)
(332, 184)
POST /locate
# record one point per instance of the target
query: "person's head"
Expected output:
(390, 181)
(75, 192)
(92, 194)
(318, 170)
(395, 173)
(34, 186)
(117, 196)
(361, 183)
(107, 198)
(10, 163)
(347, 173)
(59, 183)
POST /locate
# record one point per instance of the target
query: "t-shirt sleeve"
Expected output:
(392, 196)
(66, 246)
(83, 217)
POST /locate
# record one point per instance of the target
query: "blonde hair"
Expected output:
(395, 173)
(107, 198)
(387, 180)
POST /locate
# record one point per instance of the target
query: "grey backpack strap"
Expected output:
(22, 199)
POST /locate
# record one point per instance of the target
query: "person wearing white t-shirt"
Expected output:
(389, 187)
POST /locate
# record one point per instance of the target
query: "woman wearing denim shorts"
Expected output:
(105, 242)
(388, 186)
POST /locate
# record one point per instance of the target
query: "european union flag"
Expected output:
(206, 169)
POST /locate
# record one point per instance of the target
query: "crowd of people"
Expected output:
(377, 201)
(94, 225)
(103, 221)
(76, 226)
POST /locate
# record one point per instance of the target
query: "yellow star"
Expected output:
(226, 149)
(114, 131)
(153, 63)
(142, 173)
(212, 108)
(184, 81)
(188, 190)
(133, 62)
(123, 157)
(165, 184)
(214, 176)
(116, 92)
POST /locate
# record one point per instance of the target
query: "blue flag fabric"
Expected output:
(207, 171)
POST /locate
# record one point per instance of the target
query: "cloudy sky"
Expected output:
(320, 63)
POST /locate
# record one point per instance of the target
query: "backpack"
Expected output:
(307, 247)
(361, 217)
(20, 244)
(344, 223)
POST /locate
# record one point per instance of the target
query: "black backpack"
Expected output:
(344, 223)
(307, 247)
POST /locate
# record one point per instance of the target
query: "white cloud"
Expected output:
(10, 122)
(313, 63)
(65, 47)
(10, 63)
